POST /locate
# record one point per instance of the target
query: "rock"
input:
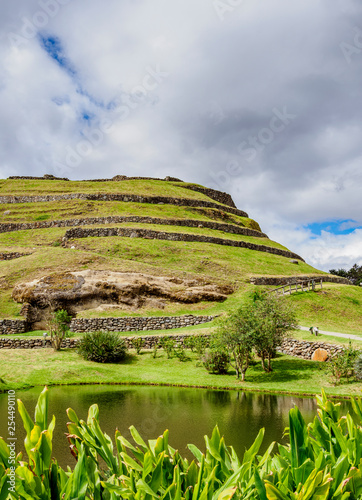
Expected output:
(105, 290)
(320, 355)
(294, 261)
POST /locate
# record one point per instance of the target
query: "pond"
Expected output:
(189, 414)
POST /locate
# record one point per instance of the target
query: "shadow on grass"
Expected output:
(130, 359)
(285, 370)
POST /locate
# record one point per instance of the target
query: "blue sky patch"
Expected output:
(53, 46)
(334, 226)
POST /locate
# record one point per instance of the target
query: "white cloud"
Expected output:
(224, 81)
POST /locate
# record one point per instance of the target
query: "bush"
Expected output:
(102, 347)
(167, 344)
(343, 364)
(180, 353)
(138, 343)
(58, 326)
(200, 344)
(358, 368)
(216, 362)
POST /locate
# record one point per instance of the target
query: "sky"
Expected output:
(260, 99)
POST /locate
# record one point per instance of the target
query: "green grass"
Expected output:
(336, 308)
(328, 339)
(215, 233)
(72, 209)
(25, 368)
(141, 187)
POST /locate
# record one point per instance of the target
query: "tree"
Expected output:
(260, 324)
(274, 318)
(58, 327)
(354, 274)
(235, 335)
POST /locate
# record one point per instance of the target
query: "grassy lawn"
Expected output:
(215, 233)
(21, 187)
(25, 368)
(335, 308)
(72, 209)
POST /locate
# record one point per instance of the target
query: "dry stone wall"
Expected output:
(292, 347)
(12, 255)
(159, 235)
(214, 194)
(219, 196)
(182, 202)
(219, 226)
(133, 324)
(149, 342)
(289, 280)
(304, 349)
(12, 326)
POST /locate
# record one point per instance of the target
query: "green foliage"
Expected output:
(167, 344)
(138, 343)
(321, 461)
(42, 217)
(342, 365)
(180, 353)
(154, 350)
(358, 367)
(58, 326)
(354, 274)
(216, 361)
(200, 344)
(189, 343)
(260, 324)
(102, 347)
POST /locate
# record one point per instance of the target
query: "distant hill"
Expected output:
(129, 246)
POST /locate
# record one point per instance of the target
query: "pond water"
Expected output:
(189, 414)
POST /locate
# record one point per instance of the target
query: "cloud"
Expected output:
(257, 99)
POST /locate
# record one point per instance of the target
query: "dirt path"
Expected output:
(335, 334)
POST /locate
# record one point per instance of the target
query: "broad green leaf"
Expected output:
(41, 409)
(137, 438)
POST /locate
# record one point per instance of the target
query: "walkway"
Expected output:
(335, 334)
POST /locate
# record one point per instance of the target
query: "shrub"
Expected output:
(200, 343)
(102, 347)
(167, 345)
(180, 353)
(138, 343)
(358, 368)
(189, 343)
(216, 361)
(58, 326)
(342, 365)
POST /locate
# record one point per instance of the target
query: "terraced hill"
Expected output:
(129, 247)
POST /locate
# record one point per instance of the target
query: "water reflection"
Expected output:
(189, 414)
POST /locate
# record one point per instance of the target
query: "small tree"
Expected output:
(261, 323)
(273, 319)
(58, 327)
(235, 335)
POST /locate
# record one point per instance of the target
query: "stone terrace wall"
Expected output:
(304, 349)
(219, 226)
(148, 234)
(12, 326)
(40, 343)
(182, 202)
(292, 347)
(133, 324)
(12, 255)
(288, 280)
(219, 196)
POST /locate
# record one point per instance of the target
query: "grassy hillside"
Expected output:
(192, 260)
